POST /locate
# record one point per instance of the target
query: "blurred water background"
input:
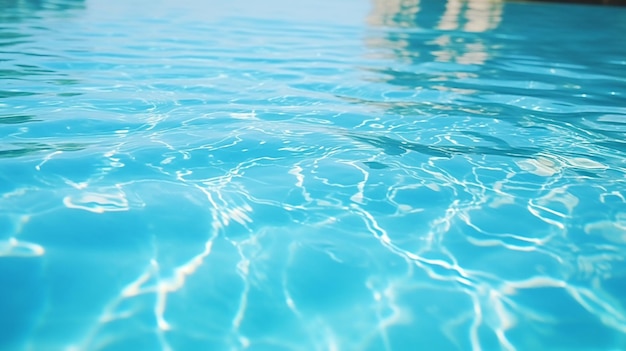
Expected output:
(312, 175)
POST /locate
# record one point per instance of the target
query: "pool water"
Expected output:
(312, 175)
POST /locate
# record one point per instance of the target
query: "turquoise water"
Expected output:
(312, 175)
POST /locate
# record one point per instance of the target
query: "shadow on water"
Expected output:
(471, 32)
(426, 49)
(15, 10)
(429, 49)
(23, 60)
(393, 147)
(434, 31)
(480, 59)
(586, 2)
(439, 45)
(20, 28)
(25, 148)
(17, 119)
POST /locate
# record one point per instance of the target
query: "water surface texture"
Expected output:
(312, 175)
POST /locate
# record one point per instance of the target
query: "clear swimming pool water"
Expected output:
(312, 175)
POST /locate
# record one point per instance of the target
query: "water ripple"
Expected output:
(279, 177)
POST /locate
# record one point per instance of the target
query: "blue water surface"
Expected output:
(312, 175)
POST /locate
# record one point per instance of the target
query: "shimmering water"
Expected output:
(312, 175)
